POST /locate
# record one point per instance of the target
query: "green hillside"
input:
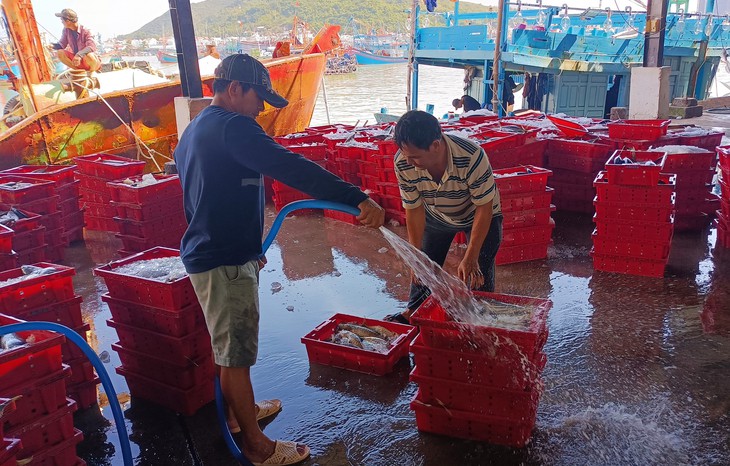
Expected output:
(220, 17)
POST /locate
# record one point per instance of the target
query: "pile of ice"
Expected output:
(362, 145)
(692, 131)
(164, 269)
(146, 180)
(12, 185)
(29, 272)
(295, 135)
(480, 112)
(461, 133)
(674, 149)
(539, 124)
(10, 217)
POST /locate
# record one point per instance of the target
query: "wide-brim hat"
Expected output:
(246, 69)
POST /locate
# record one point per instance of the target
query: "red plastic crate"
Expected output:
(81, 371)
(677, 163)
(88, 195)
(707, 141)
(84, 394)
(506, 369)
(38, 291)
(524, 179)
(31, 220)
(7, 406)
(70, 350)
(660, 194)
(62, 454)
(631, 247)
(628, 265)
(36, 398)
(110, 167)
(517, 405)
(624, 229)
(342, 217)
(314, 152)
(527, 218)
(295, 139)
(94, 209)
(635, 173)
(46, 432)
(73, 220)
(322, 351)
(169, 239)
(30, 362)
(196, 372)
(172, 296)
(32, 255)
(652, 213)
(67, 312)
(27, 239)
(694, 179)
(536, 234)
(9, 451)
(176, 323)
(649, 130)
(39, 189)
(7, 237)
(167, 186)
(69, 191)
(60, 174)
(177, 350)
(149, 211)
(171, 225)
(186, 402)
(461, 424)
(508, 254)
(99, 223)
(439, 330)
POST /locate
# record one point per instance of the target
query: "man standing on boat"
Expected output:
(221, 158)
(76, 48)
(447, 186)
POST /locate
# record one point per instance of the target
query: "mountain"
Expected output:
(220, 18)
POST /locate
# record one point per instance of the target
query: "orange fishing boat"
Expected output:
(140, 122)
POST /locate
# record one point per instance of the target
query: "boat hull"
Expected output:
(367, 58)
(58, 134)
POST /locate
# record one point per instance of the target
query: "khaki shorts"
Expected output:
(229, 296)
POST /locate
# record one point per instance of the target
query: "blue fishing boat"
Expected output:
(368, 58)
(574, 61)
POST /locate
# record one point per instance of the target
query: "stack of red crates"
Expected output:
(67, 190)
(8, 446)
(283, 194)
(695, 168)
(575, 164)
(470, 383)
(634, 214)
(527, 226)
(94, 172)
(42, 421)
(20, 236)
(39, 197)
(723, 214)
(163, 345)
(50, 297)
(149, 212)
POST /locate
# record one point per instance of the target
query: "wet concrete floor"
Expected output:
(638, 368)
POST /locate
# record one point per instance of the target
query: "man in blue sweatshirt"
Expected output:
(221, 158)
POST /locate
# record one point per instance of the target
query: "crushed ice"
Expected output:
(164, 269)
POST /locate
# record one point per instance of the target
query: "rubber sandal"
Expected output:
(286, 453)
(397, 317)
(267, 408)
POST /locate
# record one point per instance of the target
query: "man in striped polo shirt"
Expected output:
(447, 186)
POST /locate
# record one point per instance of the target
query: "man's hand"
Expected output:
(470, 273)
(76, 61)
(371, 214)
(262, 262)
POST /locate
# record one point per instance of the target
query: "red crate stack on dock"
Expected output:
(45, 292)
(8, 446)
(39, 197)
(634, 214)
(283, 194)
(163, 344)
(42, 422)
(67, 190)
(477, 381)
(149, 212)
(94, 171)
(723, 214)
(527, 226)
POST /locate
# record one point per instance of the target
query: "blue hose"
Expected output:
(76, 339)
(219, 399)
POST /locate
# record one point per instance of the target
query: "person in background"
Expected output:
(468, 103)
(447, 186)
(221, 159)
(76, 48)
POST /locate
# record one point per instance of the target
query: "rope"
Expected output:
(139, 142)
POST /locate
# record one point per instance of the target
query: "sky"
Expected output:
(114, 17)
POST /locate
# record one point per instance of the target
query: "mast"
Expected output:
(496, 65)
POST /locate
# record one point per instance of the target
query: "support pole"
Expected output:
(496, 64)
(412, 75)
(187, 51)
(656, 21)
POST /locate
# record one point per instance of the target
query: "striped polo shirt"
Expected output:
(467, 183)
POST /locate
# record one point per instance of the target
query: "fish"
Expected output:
(359, 330)
(347, 338)
(378, 345)
(384, 332)
(10, 341)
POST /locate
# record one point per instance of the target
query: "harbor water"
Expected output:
(638, 369)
